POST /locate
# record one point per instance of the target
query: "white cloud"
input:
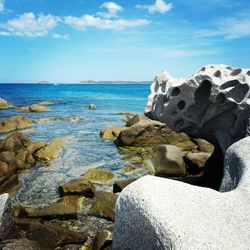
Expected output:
(102, 23)
(29, 25)
(1, 5)
(112, 9)
(159, 6)
(59, 36)
(231, 28)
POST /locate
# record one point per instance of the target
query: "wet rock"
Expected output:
(65, 208)
(111, 133)
(45, 103)
(91, 106)
(120, 185)
(14, 123)
(15, 141)
(168, 161)
(128, 170)
(126, 113)
(135, 119)
(20, 244)
(5, 104)
(38, 108)
(78, 187)
(58, 119)
(204, 105)
(51, 235)
(74, 118)
(51, 151)
(149, 133)
(99, 176)
(103, 239)
(104, 205)
(23, 109)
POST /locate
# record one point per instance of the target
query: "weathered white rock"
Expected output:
(157, 213)
(213, 102)
(3, 200)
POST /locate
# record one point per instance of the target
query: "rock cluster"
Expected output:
(213, 103)
(5, 104)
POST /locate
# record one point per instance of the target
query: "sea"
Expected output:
(39, 185)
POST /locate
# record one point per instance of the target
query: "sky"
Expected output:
(75, 40)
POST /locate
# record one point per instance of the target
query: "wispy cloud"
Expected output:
(59, 36)
(1, 5)
(86, 21)
(29, 25)
(112, 9)
(159, 6)
(230, 28)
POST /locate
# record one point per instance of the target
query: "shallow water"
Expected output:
(39, 185)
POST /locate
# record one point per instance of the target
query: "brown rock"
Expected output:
(23, 109)
(204, 146)
(128, 170)
(111, 133)
(136, 119)
(5, 104)
(15, 141)
(45, 103)
(14, 123)
(20, 244)
(168, 161)
(78, 187)
(51, 235)
(104, 205)
(198, 158)
(126, 113)
(149, 133)
(103, 239)
(120, 185)
(38, 108)
(99, 176)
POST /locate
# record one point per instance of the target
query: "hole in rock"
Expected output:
(235, 72)
(181, 105)
(163, 87)
(248, 72)
(221, 98)
(229, 84)
(217, 73)
(238, 93)
(175, 91)
(156, 86)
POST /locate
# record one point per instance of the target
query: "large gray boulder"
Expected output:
(157, 213)
(214, 102)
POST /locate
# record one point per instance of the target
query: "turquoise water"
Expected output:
(39, 185)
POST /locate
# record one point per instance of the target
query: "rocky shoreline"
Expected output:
(85, 215)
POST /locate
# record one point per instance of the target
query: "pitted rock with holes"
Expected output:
(213, 102)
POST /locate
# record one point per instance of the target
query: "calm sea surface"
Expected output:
(86, 150)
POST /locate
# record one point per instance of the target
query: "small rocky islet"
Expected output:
(180, 140)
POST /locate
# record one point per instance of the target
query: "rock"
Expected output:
(99, 176)
(120, 185)
(103, 239)
(111, 133)
(45, 103)
(23, 109)
(92, 106)
(135, 119)
(14, 123)
(128, 170)
(51, 235)
(168, 161)
(158, 213)
(20, 244)
(126, 113)
(212, 103)
(104, 205)
(51, 151)
(58, 119)
(78, 187)
(38, 108)
(149, 133)
(9, 183)
(5, 104)
(198, 158)
(14, 142)
(67, 207)
(204, 146)
(74, 118)
(3, 201)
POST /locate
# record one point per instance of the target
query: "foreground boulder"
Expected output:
(158, 213)
(212, 103)
(15, 123)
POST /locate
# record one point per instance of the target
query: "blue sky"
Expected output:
(74, 40)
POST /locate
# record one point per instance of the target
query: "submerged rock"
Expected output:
(92, 106)
(45, 103)
(99, 176)
(104, 205)
(212, 103)
(111, 133)
(33, 108)
(15, 123)
(128, 170)
(78, 187)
